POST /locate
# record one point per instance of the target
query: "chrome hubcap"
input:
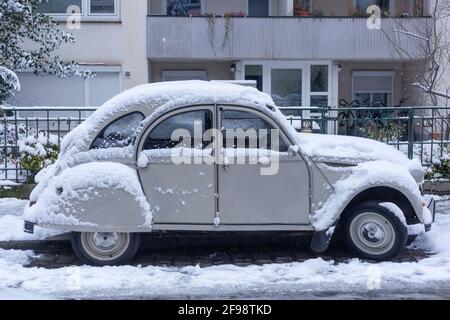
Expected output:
(372, 233)
(105, 246)
(105, 240)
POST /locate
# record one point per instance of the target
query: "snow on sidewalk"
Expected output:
(11, 222)
(291, 280)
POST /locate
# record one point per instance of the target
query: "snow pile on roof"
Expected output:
(372, 173)
(81, 183)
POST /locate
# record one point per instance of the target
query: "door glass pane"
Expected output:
(362, 5)
(183, 7)
(258, 8)
(120, 133)
(380, 100)
(319, 78)
(363, 99)
(286, 87)
(233, 120)
(57, 6)
(319, 101)
(255, 72)
(102, 6)
(161, 136)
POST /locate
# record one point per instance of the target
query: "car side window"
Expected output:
(160, 136)
(120, 133)
(234, 121)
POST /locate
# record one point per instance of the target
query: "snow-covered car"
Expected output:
(184, 156)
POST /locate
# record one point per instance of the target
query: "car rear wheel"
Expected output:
(105, 248)
(373, 232)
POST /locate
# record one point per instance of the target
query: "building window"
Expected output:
(258, 8)
(362, 5)
(102, 6)
(58, 6)
(86, 8)
(373, 88)
(255, 72)
(319, 85)
(183, 7)
(178, 75)
(286, 87)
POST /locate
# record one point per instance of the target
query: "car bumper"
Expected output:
(432, 207)
(28, 227)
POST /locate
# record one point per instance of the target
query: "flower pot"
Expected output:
(302, 13)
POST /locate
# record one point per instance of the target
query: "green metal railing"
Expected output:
(18, 123)
(421, 132)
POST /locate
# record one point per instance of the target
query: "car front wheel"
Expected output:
(373, 232)
(105, 248)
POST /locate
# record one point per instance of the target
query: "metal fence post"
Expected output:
(324, 121)
(410, 133)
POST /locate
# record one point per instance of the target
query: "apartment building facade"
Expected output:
(302, 52)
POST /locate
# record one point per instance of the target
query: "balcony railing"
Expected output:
(343, 38)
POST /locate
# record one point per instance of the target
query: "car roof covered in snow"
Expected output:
(180, 93)
(162, 96)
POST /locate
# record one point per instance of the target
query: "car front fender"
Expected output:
(348, 182)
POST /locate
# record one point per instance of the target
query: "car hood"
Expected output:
(354, 150)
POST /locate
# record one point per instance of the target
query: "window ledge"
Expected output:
(90, 19)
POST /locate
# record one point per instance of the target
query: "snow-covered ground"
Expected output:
(314, 278)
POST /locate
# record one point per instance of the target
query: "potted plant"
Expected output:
(301, 9)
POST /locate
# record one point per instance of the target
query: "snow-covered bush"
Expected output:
(9, 83)
(392, 132)
(37, 152)
(439, 170)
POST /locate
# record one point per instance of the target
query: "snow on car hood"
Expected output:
(353, 150)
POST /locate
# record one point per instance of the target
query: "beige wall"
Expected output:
(114, 43)
(214, 70)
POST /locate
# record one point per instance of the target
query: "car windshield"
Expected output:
(120, 133)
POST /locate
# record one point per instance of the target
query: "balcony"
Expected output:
(236, 38)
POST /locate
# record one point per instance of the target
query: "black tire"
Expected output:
(82, 247)
(373, 232)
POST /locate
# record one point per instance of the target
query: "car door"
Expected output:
(250, 194)
(180, 192)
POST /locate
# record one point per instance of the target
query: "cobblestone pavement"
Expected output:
(204, 249)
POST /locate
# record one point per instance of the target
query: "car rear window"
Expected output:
(119, 133)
